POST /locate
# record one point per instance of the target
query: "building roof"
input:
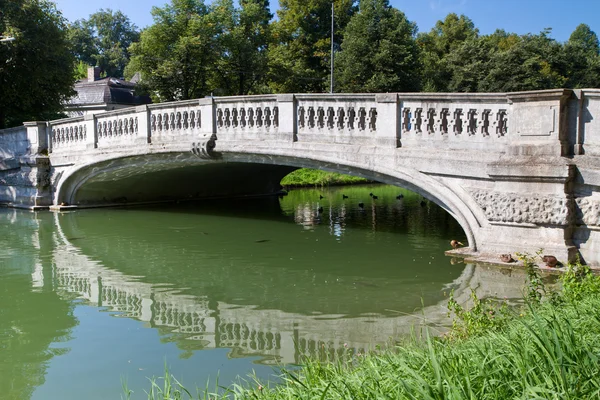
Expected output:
(106, 91)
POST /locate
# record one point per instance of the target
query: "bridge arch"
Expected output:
(178, 175)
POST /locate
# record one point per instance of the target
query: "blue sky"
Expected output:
(519, 16)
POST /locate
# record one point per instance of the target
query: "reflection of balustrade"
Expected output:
(245, 329)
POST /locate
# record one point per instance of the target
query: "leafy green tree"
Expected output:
(175, 55)
(34, 83)
(582, 55)
(379, 51)
(531, 62)
(241, 66)
(299, 59)
(437, 46)
(103, 40)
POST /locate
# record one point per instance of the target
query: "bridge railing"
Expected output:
(552, 121)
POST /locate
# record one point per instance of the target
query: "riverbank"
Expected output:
(314, 177)
(546, 348)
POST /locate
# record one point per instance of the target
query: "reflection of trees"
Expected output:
(32, 316)
(30, 322)
(386, 214)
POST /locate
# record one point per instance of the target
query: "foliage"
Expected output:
(485, 315)
(582, 56)
(175, 55)
(379, 51)
(438, 46)
(34, 82)
(315, 177)
(579, 282)
(103, 40)
(530, 62)
(299, 58)
(242, 62)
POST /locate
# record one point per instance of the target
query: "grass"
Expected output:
(315, 177)
(549, 349)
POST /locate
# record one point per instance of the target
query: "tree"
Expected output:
(437, 46)
(582, 55)
(379, 52)
(34, 83)
(242, 62)
(299, 59)
(175, 55)
(103, 40)
(531, 62)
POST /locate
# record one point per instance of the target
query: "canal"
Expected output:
(218, 289)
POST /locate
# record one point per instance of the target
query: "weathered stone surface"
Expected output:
(588, 211)
(522, 208)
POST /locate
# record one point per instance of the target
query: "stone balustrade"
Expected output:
(451, 121)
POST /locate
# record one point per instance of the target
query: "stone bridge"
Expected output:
(518, 171)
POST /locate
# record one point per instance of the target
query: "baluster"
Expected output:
(301, 120)
(275, 117)
(484, 122)
(250, 117)
(234, 117)
(430, 121)
(258, 117)
(362, 119)
(267, 117)
(310, 115)
(242, 117)
(350, 117)
(372, 119)
(405, 120)
(186, 122)
(340, 118)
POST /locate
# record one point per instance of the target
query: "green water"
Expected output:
(92, 298)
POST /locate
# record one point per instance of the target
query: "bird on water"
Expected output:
(455, 244)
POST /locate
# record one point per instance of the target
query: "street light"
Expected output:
(6, 38)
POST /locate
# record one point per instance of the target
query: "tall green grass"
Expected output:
(550, 349)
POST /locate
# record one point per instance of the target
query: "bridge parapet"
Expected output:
(538, 121)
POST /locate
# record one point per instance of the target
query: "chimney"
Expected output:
(93, 74)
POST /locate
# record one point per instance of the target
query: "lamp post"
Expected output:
(332, 22)
(6, 39)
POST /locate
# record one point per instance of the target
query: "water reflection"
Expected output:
(266, 280)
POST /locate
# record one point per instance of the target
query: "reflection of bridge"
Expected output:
(272, 334)
(518, 171)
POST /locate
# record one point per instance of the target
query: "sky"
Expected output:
(515, 16)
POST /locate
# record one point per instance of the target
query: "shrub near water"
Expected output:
(549, 349)
(315, 177)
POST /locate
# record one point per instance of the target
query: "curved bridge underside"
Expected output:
(175, 176)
